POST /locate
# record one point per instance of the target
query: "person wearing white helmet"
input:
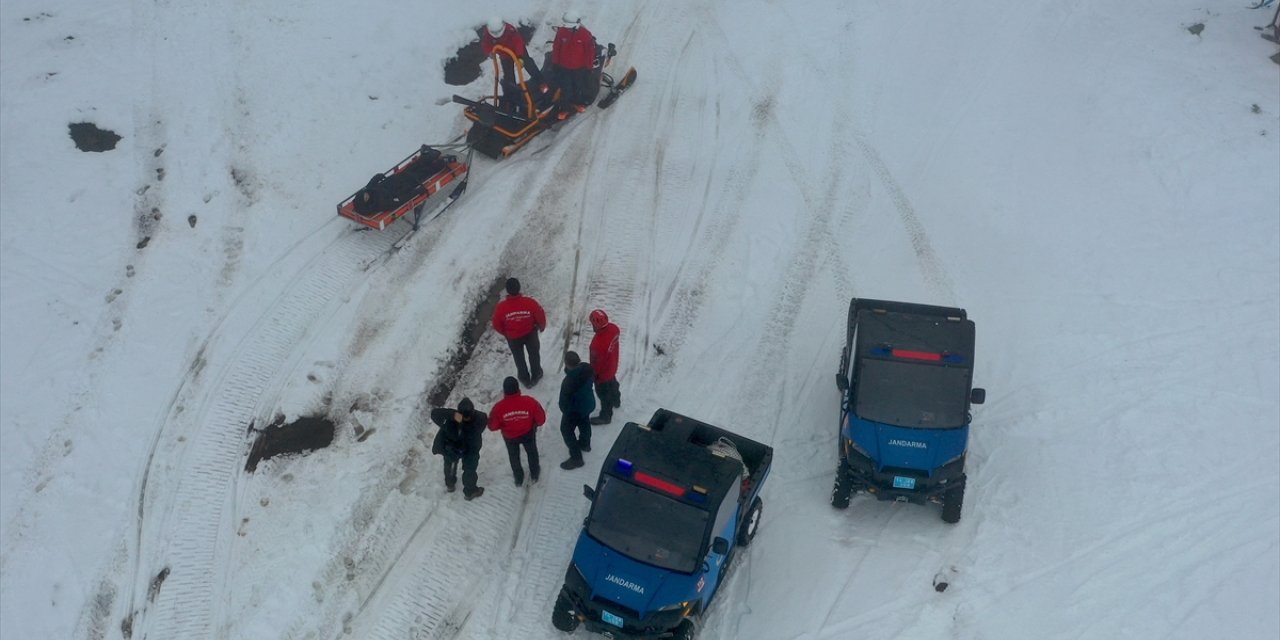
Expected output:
(573, 52)
(498, 32)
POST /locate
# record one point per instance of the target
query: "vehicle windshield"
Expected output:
(647, 526)
(912, 394)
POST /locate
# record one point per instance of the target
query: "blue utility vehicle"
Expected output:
(905, 381)
(675, 500)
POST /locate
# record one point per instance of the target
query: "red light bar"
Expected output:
(916, 355)
(658, 483)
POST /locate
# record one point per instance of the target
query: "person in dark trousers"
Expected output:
(520, 319)
(459, 440)
(518, 417)
(604, 363)
(576, 404)
(573, 53)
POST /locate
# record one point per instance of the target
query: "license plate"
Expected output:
(902, 482)
(611, 619)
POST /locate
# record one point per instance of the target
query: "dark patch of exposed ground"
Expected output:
(88, 137)
(475, 327)
(301, 435)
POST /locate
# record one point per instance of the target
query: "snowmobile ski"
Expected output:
(615, 91)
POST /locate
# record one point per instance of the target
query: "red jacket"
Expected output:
(604, 352)
(515, 415)
(516, 316)
(573, 48)
(510, 39)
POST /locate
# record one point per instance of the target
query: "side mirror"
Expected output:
(720, 546)
(589, 492)
(977, 396)
(842, 381)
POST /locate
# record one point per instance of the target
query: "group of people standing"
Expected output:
(519, 319)
(573, 54)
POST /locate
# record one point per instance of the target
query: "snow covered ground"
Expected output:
(1092, 181)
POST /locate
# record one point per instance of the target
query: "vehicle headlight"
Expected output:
(675, 606)
(574, 579)
(853, 445)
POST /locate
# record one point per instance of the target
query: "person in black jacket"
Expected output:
(576, 404)
(459, 440)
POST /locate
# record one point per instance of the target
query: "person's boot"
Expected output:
(472, 495)
(450, 488)
(572, 463)
(601, 419)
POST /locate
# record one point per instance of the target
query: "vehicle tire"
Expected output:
(686, 630)
(952, 501)
(843, 488)
(562, 616)
(752, 522)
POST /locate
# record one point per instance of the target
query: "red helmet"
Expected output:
(599, 319)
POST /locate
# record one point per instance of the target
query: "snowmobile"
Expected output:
(405, 187)
(515, 113)
(502, 124)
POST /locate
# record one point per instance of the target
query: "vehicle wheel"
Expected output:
(843, 488)
(562, 616)
(686, 630)
(748, 531)
(952, 500)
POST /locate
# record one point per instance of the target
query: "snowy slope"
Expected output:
(1094, 183)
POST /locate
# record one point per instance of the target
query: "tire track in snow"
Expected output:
(536, 563)
(931, 267)
(620, 264)
(430, 592)
(675, 309)
(194, 533)
(763, 395)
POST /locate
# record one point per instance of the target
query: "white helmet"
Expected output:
(496, 26)
(572, 19)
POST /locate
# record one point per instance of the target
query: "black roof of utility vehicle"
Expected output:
(674, 448)
(913, 327)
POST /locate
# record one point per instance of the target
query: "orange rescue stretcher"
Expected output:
(406, 187)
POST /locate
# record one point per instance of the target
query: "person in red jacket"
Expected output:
(499, 32)
(604, 360)
(518, 417)
(520, 319)
(573, 53)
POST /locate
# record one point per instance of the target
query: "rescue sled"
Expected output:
(515, 114)
(406, 187)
